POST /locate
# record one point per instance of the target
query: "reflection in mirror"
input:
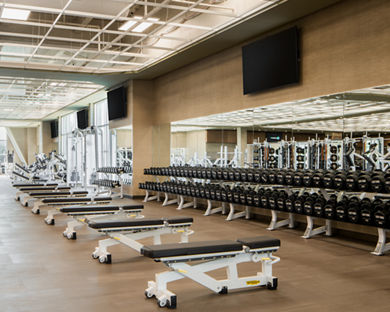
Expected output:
(345, 131)
(122, 155)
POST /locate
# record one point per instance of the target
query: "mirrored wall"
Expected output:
(349, 130)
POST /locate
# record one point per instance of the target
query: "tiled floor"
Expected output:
(43, 271)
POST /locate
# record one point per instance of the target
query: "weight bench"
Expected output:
(210, 256)
(55, 202)
(128, 232)
(51, 194)
(79, 214)
(26, 190)
(19, 185)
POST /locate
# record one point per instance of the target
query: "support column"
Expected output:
(151, 142)
(242, 137)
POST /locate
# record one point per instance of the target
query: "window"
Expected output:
(67, 124)
(3, 145)
(102, 124)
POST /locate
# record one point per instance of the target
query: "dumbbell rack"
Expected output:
(110, 183)
(310, 230)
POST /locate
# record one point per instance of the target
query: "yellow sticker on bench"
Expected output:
(265, 259)
(180, 231)
(82, 219)
(182, 271)
(116, 237)
(255, 282)
(133, 215)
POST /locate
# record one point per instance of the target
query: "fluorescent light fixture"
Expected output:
(8, 109)
(126, 26)
(15, 14)
(145, 25)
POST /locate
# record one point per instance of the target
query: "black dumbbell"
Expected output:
(382, 215)
(353, 212)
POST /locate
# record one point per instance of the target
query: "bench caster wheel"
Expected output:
(273, 285)
(26, 205)
(35, 212)
(94, 256)
(105, 259)
(71, 235)
(162, 303)
(148, 294)
(51, 222)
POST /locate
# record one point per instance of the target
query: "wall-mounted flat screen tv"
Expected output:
(117, 103)
(82, 119)
(271, 62)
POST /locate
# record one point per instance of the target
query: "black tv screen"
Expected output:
(54, 128)
(271, 62)
(82, 119)
(273, 136)
(117, 103)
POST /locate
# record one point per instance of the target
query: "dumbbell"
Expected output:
(339, 181)
(289, 203)
(308, 178)
(250, 197)
(364, 182)
(318, 177)
(250, 175)
(308, 205)
(342, 210)
(353, 212)
(299, 203)
(236, 194)
(243, 175)
(264, 177)
(257, 175)
(203, 173)
(227, 174)
(387, 182)
(298, 178)
(382, 215)
(209, 173)
(272, 177)
(328, 180)
(280, 177)
(352, 181)
(366, 211)
(319, 207)
(273, 199)
(281, 201)
(229, 194)
(214, 174)
(378, 182)
(264, 199)
(243, 197)
(289, 177)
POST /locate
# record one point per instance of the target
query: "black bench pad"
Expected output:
(99, 208)
(186, 249)
(178, 220)
(259, 242)
(44, 188)
(105, 224)
(55, 193)
(73, 200)
(32, 184)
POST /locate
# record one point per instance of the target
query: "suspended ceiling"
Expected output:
(85, 40)
(100, 36)
(31, 98)
(355, 111)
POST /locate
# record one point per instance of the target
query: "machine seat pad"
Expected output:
(73, 200)
(58, 193)
(257, 242)
(178, 220)
(193, 248)
(104, 224)
(99, 208)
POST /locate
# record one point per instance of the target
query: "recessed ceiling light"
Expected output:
(145, 25)
(16, 14)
